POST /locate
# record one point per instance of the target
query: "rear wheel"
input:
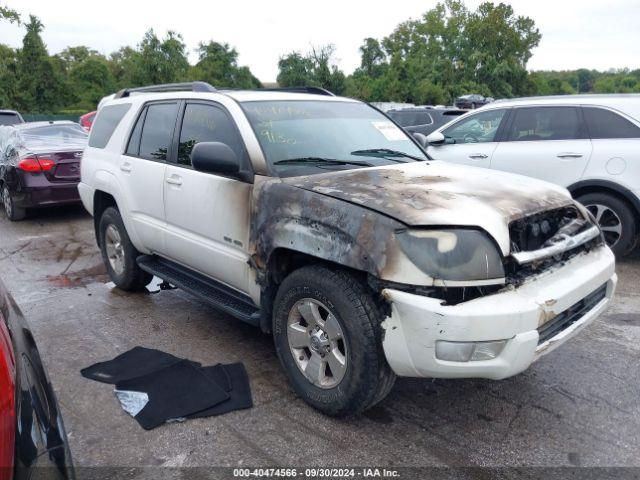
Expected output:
(616, 219)
(326, 329)
(119, 254)
(13, 212)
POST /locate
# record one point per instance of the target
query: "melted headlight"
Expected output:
(456, 254)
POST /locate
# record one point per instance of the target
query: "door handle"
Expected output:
(478, 156)
(126, 167)
(569, 155)
(174, 180)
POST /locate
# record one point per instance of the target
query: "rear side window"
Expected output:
(206, 123)
(9, 119)
(411, 119)
(106, 123)
(157, 131)
(607, 124)
(546, 123)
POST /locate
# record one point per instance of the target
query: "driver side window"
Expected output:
(481, 127)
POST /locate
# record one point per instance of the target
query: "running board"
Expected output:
(210, 291)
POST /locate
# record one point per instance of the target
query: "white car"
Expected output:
(317, 219)
(589, 144)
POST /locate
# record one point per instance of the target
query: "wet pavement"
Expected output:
(577, 406)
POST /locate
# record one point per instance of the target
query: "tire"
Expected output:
(118, 253)
(616, 218)
(367, 378)
(15, 214)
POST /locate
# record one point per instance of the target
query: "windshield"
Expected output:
(9, 119)
(305, 137)
(55, 136)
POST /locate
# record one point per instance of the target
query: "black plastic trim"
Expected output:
(210, 291)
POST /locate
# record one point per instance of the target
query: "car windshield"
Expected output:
(305, 137)
(57, 131)
(9, 119)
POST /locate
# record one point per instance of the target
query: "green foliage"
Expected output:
(218, 65)
(9, 14)
(317, 68)
(39, 85)
(449, 51)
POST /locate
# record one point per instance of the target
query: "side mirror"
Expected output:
(421, 139)
(435, 138)
(214, 157)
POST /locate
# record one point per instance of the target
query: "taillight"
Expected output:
(7, 402)
(46, 164)
(36, 164)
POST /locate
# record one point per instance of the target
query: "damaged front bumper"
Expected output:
(510, 321)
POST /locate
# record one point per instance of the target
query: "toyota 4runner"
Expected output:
(316, 218)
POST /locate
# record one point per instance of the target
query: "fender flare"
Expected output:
(107, 182)
(625, 193)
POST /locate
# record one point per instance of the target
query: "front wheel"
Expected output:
(327, 333)
(119, 254)
(13, 212)
(616, 219)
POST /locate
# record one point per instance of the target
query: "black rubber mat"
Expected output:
(136, 362)
(174, 392)
(235, 378)
(156, 387)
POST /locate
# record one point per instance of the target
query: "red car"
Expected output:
(39, 165)
(86, 120)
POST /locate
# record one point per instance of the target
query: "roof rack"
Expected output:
(168, 87)
(311, 90)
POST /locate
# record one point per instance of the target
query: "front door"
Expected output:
(549, 143)
(207, 215)
(472, 140)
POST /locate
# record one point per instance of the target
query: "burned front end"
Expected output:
(557, 278)
(477, 277)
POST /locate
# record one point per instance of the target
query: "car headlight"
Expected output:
(455, 255)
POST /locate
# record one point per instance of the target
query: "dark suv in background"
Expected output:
(423, 120)
(39, 165)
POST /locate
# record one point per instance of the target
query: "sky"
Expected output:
(575, 33)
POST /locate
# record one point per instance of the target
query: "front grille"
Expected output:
(571, 315)
(531, 233)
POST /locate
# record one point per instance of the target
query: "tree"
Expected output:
(9, 14)
(218, 65)
(449, 51)
(317, 68)
(39, 84)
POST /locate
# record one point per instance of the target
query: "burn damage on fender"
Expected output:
(355, 218)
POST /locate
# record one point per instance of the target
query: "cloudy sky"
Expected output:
(575, 33)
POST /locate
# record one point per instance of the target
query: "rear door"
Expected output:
(616, 147)
(207, 215)
(547, 142)
(141, 171)
(471, 140)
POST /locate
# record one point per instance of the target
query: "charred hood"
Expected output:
(440, 194)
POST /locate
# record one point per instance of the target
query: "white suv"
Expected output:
(316, 218)
(587, 143)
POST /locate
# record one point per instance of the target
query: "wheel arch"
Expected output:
(608, 187)
(281, 262)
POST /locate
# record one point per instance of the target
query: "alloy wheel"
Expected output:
(609, 222)
(114, 249)
(317, 343)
